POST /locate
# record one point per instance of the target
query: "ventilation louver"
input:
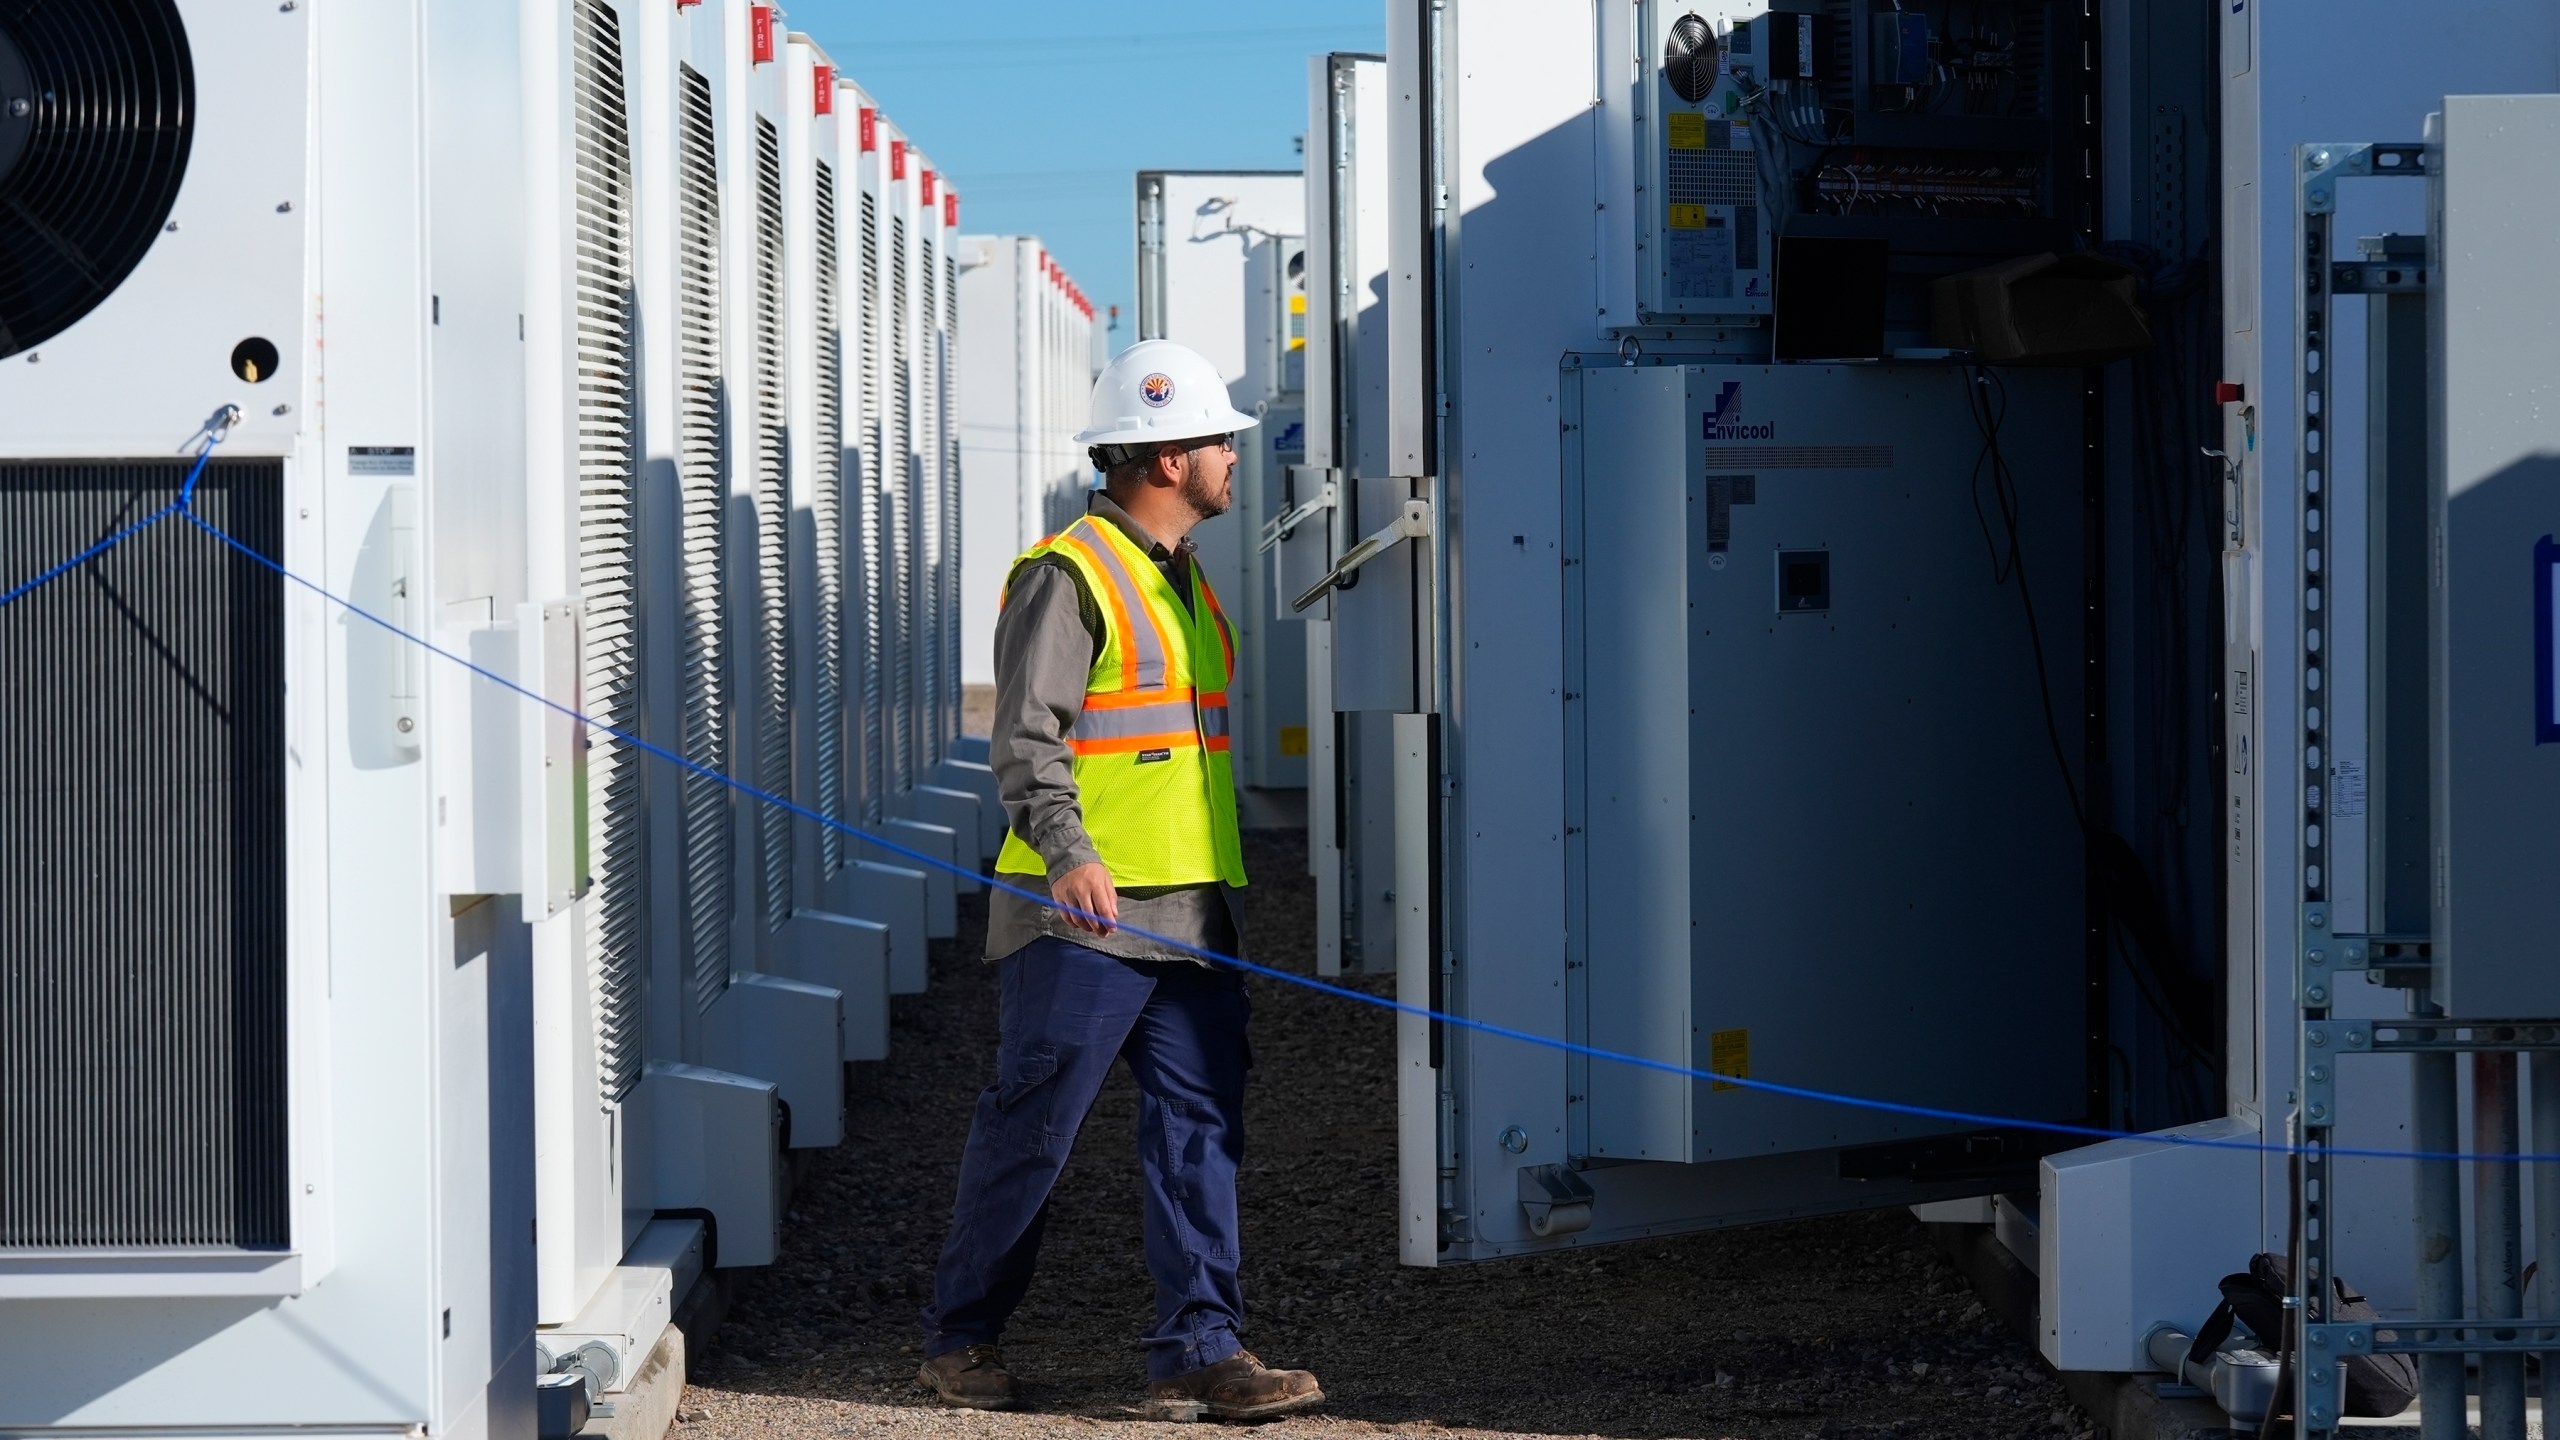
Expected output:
(874, 578)
(97, 111)
(928, 518)
(608, 545)
(773, 541)
(702, 483)
(1690, 58)
(902, 542)
(826, 516)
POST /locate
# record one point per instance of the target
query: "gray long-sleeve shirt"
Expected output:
(1046, 638)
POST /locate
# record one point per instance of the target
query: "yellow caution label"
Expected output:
(1685, 217)
(1729, 1053)
(1687, 129)
(1293, 740)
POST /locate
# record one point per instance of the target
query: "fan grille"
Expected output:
(1690, 57)
(89, 172)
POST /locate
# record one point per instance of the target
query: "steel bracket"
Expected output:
(2378, 277)
(1557, 1200)
(2324, 165)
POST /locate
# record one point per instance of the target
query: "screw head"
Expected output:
(20, 107)
(2319, 994)
(2319, 1072)
(2318, 1112)
(2318, 957)
(405, 725)
(2320, 159)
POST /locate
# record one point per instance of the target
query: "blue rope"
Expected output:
(186, 497)
(1482, 1027)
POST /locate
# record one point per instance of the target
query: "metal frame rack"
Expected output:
(2394, 272)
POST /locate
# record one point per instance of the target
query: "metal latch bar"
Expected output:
(1414, 523)
(1282, 527)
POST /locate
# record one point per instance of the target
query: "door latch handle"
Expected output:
(1413, 523)
(1282, 527)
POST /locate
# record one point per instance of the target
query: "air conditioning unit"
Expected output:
(585, 73)
(906, 438)
(848, 953)
(731, 107)
(937, 799)
(254, 1031)
(1268, 694)
(877, 884)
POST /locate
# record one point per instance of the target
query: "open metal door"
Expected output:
(1722, 738)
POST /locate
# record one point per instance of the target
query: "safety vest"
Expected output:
(1150, 746)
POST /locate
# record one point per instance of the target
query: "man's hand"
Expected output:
(1086, 892)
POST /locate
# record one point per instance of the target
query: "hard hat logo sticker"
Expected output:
(1156, 390)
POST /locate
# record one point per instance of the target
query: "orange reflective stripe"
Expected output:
(1132, 744)
(1119, 612)
(1146, 646)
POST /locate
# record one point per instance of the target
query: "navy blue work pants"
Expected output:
(1068, 1012)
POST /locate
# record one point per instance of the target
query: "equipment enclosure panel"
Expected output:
(1825, 838)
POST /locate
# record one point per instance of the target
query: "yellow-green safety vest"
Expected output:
(1150, 746)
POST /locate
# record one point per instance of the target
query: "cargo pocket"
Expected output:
(1023, 1074)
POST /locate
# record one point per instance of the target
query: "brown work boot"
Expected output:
(973, 1379)
(1236, 1388)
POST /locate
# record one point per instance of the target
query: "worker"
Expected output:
(1110, 752)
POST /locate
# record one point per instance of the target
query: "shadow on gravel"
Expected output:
(1842, 1327)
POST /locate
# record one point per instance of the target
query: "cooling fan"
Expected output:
(1691, 58)
(97, 108)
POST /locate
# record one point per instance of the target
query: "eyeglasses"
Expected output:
(1224, 442)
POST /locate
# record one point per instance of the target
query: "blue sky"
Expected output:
(1040, 114)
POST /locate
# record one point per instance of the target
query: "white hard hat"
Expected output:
(1157, 390)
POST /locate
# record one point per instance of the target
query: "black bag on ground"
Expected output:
(2377, 1385)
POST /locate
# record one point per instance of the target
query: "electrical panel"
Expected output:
(1704, 229)
(1948, 127)
(1949, 130)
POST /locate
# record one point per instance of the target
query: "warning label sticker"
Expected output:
(1685, 217)
(1687, 129)
(1293, 740)
(1729, 1053)
(382, 460)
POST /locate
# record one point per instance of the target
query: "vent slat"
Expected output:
(826, 514)
(900, 636)
(617, 930)
(143, 979)
(772, 504)
(871, 523)
(702, 483)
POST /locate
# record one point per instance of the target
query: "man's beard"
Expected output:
(1196, 493)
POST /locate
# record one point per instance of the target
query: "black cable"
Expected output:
(2008, 557)
(2137, 916)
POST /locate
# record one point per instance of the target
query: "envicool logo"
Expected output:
(1725, 421)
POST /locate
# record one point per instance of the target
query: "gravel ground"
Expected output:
(1845, 1327)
